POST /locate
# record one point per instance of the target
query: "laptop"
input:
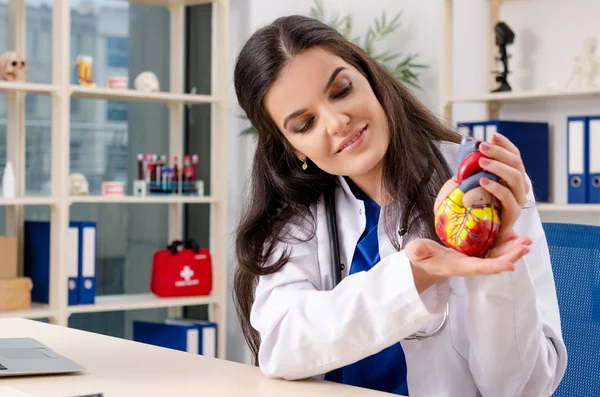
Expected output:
(27, 356)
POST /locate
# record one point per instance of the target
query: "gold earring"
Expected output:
(304, 165)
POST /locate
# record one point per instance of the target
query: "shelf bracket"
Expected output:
(493, 109)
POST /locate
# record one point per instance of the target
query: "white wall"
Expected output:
(543, 52)
(418, 32)
(239, 157)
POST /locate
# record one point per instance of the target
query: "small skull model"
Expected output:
(13, 67)
(78, 185)
(147, 82)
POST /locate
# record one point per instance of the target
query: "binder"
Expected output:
(475, 130)
(207, 334)
(532, 139)
(36, 244)
(577, 162)
(73, 264)
(593, 159)
(181, 337)
(87, 262)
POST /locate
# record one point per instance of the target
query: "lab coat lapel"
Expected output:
(351, 222)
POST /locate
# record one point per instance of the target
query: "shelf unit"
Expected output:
(138, 96)
(145, 200)
(528, 96)
(495, 100)
(139, 301)
(61, 91)
(37, 310)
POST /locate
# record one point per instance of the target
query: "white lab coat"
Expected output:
(503, 336)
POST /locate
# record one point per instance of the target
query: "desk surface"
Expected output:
(123, 368)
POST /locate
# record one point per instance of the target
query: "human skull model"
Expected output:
(147, 82)
(13, 67)
(79, 185)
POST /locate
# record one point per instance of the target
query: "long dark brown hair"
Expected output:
(413, 169)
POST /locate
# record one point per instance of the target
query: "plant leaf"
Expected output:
(249, 131)
(318, 10)
(346, 28)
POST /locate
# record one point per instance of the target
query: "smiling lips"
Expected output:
(350, 142)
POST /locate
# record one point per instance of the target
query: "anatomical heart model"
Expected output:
(467, 217)
(13, 67)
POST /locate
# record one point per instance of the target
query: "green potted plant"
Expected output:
(402, 66)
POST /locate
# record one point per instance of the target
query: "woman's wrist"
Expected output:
(422, 279)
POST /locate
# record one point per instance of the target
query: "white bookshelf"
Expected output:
(145, 200)
(495, 100)
(37, 311)
(167, 98)
(569, 208)
(171, 3)
(61, 91)
(139, 301)
(528, 96)
(8, 87)
(28, 200)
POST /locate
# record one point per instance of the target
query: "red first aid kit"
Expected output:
(181, 272)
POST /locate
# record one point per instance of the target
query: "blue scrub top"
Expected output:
(386, 370)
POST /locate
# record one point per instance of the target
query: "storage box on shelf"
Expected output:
(61, 89)
(493, 101)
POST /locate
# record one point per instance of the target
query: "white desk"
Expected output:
(122, 368)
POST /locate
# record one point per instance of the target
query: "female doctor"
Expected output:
(409, 316)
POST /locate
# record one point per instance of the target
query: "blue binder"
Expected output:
(532, 139)
(172, 336)
(577, 159)
(87, 263)
(207, 334)
(36, 242)
(593, 160)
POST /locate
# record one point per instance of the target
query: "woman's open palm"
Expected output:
(440, 261)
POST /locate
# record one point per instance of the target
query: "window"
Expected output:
(117, 52)
(31, 104)
(75, 154)
(75, 106)
(116, 111)
(76, 40)
(31, 39)
(38, 157)
(116, 167)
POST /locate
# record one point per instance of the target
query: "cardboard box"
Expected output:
(15, 294)
(8, 257)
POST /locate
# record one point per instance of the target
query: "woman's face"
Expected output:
(328, 112)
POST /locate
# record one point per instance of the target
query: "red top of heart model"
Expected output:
(469, 166)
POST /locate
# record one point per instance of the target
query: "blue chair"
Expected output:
(575, 256)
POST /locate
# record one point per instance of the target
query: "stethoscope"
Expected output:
(336, 266)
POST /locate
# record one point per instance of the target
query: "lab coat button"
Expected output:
(342, 266)
(360, 211)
